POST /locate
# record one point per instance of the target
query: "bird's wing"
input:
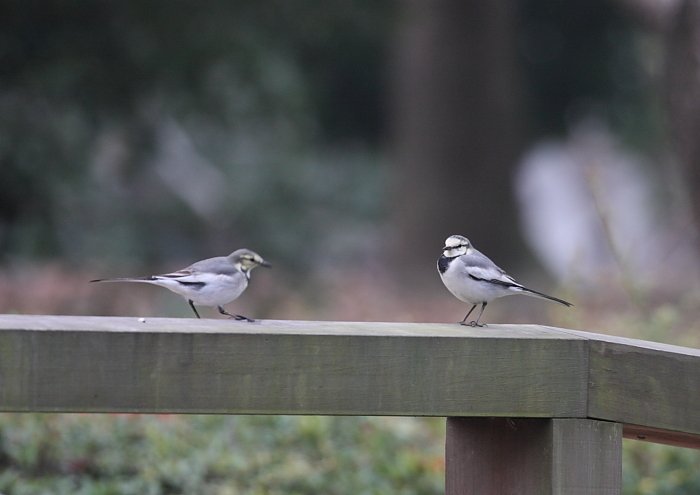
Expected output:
(479, 267)
(201, 274)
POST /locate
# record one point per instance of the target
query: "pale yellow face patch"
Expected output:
(249, 261)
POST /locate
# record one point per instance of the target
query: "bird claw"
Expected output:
(241, 317)
(472, 324)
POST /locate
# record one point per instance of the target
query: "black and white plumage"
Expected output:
(473, 278)
(212, 282)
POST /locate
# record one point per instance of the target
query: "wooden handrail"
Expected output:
(159, 365)
(564, 396)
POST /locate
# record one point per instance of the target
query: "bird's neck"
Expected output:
(243, 269)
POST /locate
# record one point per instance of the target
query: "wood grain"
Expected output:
(502, 456)
(645, 384)
(498, 456)
(279, 367)
(587, 457)
(657, 435)
(160, 365)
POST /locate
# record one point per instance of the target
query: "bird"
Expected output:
(211, 282)
(473, 278)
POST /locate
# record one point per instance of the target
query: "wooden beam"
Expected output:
(646, 384)
(502, 456)
(161, 365)
(656, 435)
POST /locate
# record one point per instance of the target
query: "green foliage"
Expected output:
(122, 454)
(652, 469)
(150, 129)
(169, 454)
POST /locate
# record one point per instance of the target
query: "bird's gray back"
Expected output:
(220, 265)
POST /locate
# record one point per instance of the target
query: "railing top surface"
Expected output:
(119, 364)
(279, 327)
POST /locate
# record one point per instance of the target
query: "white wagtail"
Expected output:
(211, 282)
(475, 279)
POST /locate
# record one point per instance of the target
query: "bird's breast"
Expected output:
(469, 290)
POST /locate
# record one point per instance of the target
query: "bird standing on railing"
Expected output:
(211, 282)
(475, 279)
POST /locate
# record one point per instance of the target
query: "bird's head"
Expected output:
(245, 260)
(456, 245)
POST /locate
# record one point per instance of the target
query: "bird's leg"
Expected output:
(193, 308)
(465, 318)
(476, 323)
(238, 317)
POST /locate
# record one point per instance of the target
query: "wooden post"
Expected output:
(532, 456)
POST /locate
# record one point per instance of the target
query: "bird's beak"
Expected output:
(265, 263)
(445, 248)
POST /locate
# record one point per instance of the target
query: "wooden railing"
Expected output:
(531, 410)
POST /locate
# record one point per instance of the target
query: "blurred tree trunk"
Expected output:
(679, 21)
(456, 130)
(683, 94)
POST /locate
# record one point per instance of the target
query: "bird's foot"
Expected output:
(241, 317)
(234, 315)
(472, 324)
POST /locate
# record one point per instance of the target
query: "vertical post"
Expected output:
(532, 456)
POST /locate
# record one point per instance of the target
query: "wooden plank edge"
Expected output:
(657, 435)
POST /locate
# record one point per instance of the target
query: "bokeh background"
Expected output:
(343, 141)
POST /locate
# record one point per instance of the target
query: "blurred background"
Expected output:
(344, 142)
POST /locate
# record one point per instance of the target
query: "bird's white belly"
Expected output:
(469, 290)
(210, 295)
(216, 291)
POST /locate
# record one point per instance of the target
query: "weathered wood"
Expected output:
(501, 456)
(93, 364)
(657, 435)
(587, 457)
(645, 384)
(497, 456)
(97, 364)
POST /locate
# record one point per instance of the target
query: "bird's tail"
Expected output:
(137, 279)
(534, 293)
